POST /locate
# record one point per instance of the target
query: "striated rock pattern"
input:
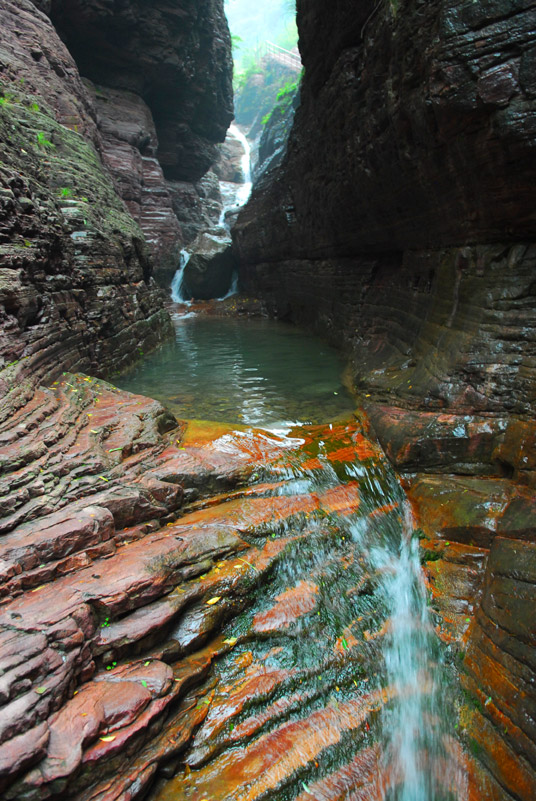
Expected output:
(114, 606)
(175, 56)
(163, 96)
(75, 272)
(400, 224)
(197, 206)
(416, 130)
(129, 150)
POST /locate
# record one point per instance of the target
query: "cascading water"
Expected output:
(416, 725)
(242, 196)
(178, 294)
(234, 196)
(365, 710)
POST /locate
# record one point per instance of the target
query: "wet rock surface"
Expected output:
(398, 225)
(111, 620)
(210, 268)
(186, 602)
(75, 275)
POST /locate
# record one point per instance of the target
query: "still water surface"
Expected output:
(256, 372)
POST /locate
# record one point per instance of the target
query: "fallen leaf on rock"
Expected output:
(214, 600)
(231, 641)
(108, 739)
(41, 690)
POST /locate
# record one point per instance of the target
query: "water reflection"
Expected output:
(255, 372)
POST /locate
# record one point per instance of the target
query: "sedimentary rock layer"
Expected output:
(76, 287)
(175, 56)
(401, 225)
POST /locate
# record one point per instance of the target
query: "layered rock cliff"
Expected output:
(85, 211)
(401, 225)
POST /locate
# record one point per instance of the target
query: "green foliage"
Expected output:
(236, 42)
(8, 97)
(283, 100)
(66, 192)
(34, 107)
(43, 142)
(287, 91)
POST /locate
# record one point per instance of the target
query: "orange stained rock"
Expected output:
(494, 687)
(289, 606)
(384, 510)
(224, 708)
(360, 449)
(312, 464)
(356, 781)
(365, 449)
(254, 723)
(247, 513)
(202, 432)
(244, 660)
(250, 773)
(343, 499)
(509, 771)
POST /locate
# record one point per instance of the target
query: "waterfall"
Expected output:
(237, 195)
(234, 196)
(416, 725)
(245, 188)
(177, 285)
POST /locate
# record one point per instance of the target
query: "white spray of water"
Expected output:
(177, 285)
(416, 723)
(236, 195)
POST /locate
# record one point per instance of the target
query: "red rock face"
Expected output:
(400, 226)
(129, 148)
(76, 289)
(115, 607)
(172, 640)
(176, 57)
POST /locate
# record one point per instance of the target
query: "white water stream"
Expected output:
(177, 285)
(234, 196)
(417, 723)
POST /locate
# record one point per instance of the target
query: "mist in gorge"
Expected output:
(253, 23)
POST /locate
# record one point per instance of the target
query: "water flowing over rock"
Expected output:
(400, 226)
(141, 639)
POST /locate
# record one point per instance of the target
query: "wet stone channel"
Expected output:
(327, 679)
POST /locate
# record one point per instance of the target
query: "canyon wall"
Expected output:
(86, 214)
(401, 225)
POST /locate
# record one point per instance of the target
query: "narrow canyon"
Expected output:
(267, 430)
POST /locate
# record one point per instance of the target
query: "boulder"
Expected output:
(229, 165)
(209, 271)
